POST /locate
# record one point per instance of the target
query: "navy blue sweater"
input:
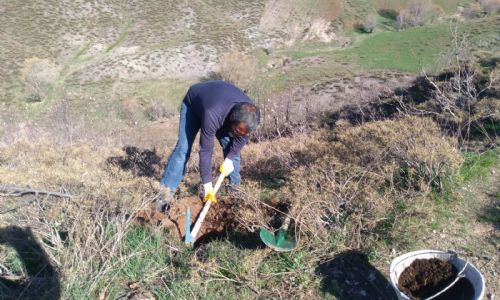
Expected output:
(211, 102)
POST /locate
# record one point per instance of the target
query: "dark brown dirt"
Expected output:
(426, 277)
(219, 218)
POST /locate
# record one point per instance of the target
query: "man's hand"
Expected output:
(226, 167)
(209, 193)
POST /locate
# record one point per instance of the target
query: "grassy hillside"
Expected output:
(368, 158)
(93, 41)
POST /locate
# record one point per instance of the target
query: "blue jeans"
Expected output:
(189, 125)
(225, 142)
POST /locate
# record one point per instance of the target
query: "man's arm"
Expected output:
(207, 136)
(236, 146)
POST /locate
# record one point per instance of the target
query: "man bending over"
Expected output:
(218, 110)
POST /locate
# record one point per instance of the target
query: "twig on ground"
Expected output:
(12, 277)
(14, 191)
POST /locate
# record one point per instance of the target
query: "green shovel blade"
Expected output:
(277, 242)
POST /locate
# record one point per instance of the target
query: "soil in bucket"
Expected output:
(426, 277)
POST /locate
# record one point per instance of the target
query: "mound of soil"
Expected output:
(219, 218)
(426, 277)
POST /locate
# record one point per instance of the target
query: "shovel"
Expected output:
(278, 242)
(191, 234)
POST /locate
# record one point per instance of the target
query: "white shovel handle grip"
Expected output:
(218, 183)
(205, 209)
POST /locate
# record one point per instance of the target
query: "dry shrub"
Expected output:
(343, 183)
(481, 8)
(453, 94)
(266, 167)
(356, 178)
(473, 10)
(281, 116)
(158, 110)
(486, 119)
(277, 158)
(489, 6)
(38, 74)
(64, 123)
(83, 237)
(370, 23)
(94, 244)
(251, 212)
(488, 108)
(452, 98)
(238, 68)
(411, 145)
(417, 13)
(132, 110)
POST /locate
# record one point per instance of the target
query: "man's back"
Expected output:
(215, 98)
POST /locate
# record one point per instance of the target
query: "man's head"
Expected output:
(244, 119)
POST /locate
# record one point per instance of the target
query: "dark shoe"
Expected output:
(163, 199)
(232, 189)
(162, 205)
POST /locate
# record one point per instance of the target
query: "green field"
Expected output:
(408, 51)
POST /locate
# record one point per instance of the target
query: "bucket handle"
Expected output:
(459, 276)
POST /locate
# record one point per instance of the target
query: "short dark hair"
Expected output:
(246, 113)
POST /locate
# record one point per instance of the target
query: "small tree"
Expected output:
(401, 20)
(416, 13)
(370, 23)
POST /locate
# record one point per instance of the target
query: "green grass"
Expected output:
(418, 48)
(355, 11)
(405, 221)
(385, 227)
(307, 49)
(147, 251)
(385, 24)
(218, 270)
(407, 51)
(478, 165)
(14, 263)
(143, 256)
(410, 50)
(170, 92)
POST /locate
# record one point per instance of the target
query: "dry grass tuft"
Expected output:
(413, 145)
(80, 170)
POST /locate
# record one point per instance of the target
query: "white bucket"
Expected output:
(402, 262)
